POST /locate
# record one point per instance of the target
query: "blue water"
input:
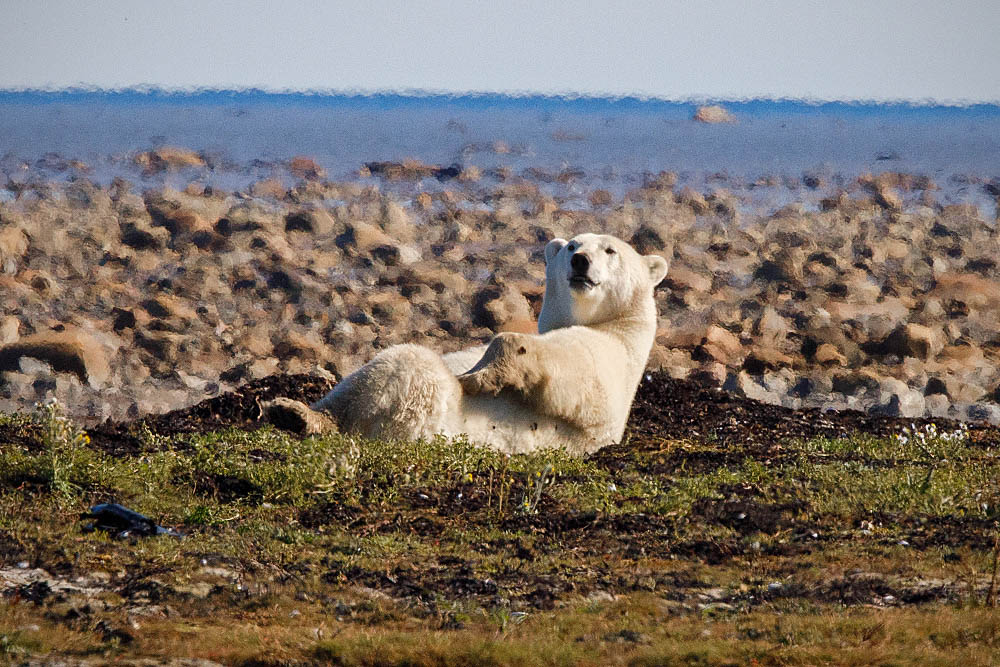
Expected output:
(613, 141)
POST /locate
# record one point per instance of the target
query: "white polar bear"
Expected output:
(569, 386)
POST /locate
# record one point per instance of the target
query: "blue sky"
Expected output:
(871, 49)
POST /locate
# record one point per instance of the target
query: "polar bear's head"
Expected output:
(596, 278)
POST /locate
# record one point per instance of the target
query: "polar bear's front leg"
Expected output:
(556, 377)
(504, 365)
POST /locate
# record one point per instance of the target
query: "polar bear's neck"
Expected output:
(636, 331)
(557, 312)
(636, 328)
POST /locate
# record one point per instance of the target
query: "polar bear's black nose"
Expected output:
(580, 263)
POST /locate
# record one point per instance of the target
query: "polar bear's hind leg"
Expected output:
(406, 392)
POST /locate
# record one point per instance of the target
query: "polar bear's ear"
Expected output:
(657, 268)
(553, 248)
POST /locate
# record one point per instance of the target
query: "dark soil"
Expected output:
(738, 428)
(664, 409)
(240, 408)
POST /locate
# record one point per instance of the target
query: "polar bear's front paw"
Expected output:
(502, 367)
(483, 381)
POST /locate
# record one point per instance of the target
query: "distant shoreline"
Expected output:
(482, 100)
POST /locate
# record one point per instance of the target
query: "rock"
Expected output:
(424, 201)
(9, 329)
(676, 362)
(772, 327)
(169, 307)
(42, 282)
(936, 386)
(168, 158)
(290, 343)
(854, 382)
(888, 198)
(898, 400)
(68, 351)
(396, 222)
(141, 237)
(169, 209)
(647, 240)
(306, 168)
(164, 346)
(313, 221)
(601, 597)
(470, 174)
(725, 205)
(713, 114)
(913, 340)
(828, 355)
(719, 345)
(693, 199)
(763, 358)
(269, 188)
(682, 278)
(494, 306)
(600, 198)
(13, 246)
(984, 412)
(363, 237)
(802, 388)
(937, 405)
(772, 271)
(743, 384)
(262, 368)
(407, 170)
(711, 374)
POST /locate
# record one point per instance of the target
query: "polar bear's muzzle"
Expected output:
(579, 266)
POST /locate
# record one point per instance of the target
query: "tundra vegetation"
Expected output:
(763, 535)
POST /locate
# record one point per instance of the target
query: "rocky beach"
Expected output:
(151, 293)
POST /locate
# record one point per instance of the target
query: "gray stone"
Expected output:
(986, 412)
(936, 405)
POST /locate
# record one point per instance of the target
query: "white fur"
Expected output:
(571, 385)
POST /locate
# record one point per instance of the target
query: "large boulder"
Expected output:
(67, 351)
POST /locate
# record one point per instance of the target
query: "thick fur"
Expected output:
(569, 386)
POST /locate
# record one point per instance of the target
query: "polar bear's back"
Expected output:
(406, 392)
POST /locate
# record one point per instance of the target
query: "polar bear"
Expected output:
(569, 386)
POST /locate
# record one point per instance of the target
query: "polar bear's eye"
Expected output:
(610, 251)
(571, 247)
